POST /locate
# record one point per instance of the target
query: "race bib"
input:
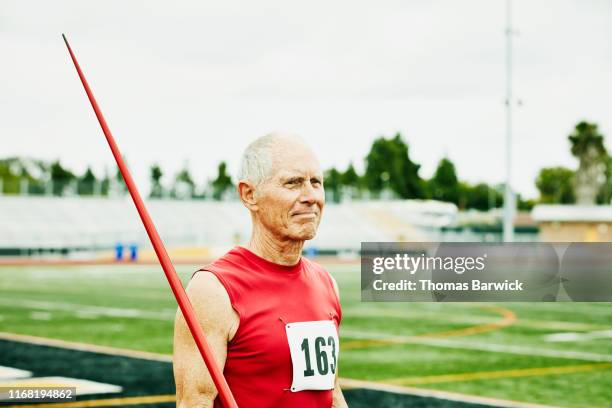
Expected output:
(314, 350)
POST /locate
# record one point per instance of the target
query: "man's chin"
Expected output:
(310, 236)
(304, 234)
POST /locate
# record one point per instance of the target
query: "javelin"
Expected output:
(175, 283)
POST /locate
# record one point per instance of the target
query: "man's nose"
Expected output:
(308, 193)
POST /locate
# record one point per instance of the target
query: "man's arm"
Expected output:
(338, 397)
(219, 321)
(338, 400)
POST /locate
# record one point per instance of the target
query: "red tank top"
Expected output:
(267, 296)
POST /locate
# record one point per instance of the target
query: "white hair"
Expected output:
(257, 158)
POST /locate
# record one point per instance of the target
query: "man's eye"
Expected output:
(315, 182)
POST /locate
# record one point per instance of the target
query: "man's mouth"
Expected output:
(309, 214)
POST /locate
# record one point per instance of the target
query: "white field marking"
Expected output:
(112, 351)
(560, 337)
(448, 317)
(134, 293)
(451, 396)
(83, 387)
(85, 314)
(40, 316)
(164, 315)
(10, 373)
(466, 345)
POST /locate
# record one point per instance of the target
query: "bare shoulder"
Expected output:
(204, 286)
(212, 304)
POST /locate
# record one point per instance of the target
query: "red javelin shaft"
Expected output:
(175, 283)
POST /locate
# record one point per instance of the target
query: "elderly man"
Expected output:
(270, 316)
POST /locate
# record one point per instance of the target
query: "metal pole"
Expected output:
(508, 193)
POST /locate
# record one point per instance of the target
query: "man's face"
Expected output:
(290, 202)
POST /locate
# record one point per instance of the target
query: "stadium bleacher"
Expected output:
(34, 223)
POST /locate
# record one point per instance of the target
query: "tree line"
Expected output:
(37, 177)
(389, 172)
(389, 169)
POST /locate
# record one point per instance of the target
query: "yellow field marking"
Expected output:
(361, 344)
(471, 319)
(508, 318)
(35, 384)
(109, 402)
(490, 375)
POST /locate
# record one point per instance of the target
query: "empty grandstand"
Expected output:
(32, 225)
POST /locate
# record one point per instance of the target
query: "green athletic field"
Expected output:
(545, 353)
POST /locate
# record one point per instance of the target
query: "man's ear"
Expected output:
(246, 191)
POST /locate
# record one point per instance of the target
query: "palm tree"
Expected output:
(588, 146)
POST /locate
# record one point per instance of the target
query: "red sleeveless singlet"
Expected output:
(267, 296)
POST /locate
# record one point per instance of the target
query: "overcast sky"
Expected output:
(195, 82)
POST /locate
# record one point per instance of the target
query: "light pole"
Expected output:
(508, 193)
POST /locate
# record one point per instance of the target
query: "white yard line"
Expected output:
(113, 351)
(562, 337)
(83, 387)
(452, 396)
(10, 373)
(90, 310)
(472, 345)
(41, 316)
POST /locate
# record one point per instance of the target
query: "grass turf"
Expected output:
(132, 307)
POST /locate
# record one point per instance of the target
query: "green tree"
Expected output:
(15, 170)
(156, 174)
(333, 184)
(605, 194)
(444, 185)
(9, 173)
(556, 185)
(350, 178)
(37, 181)
(222, 183)
(184, 186)
(86, 182)
(119, 183)
(351, 182)
(587, 144)
(388, 165)
(524, 204)
(480, 196)
(105, 183)
(586, 138)
(60, 177)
